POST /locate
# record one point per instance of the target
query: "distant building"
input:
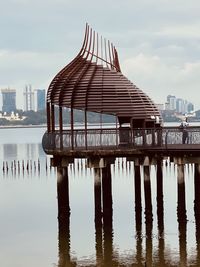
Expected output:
(41, 99)
(190, 107)
(171, 99)
(12, 116)
(28, 98)
(180, 105)
(167, 106)
(160, 106)
(9, 100)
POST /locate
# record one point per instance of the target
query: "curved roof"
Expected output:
(93, 81)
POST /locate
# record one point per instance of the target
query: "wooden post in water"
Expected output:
(181, 214)
(197, 208)
(63, 192)
(63, 218)
(107, 215)
(138, 204)
(98, 214)
(97, 196)
(103, 195)
(138, 213)
(160, 213)
(148, 214)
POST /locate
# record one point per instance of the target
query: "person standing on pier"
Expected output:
(183, 126)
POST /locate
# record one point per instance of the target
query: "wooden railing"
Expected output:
(121, 137)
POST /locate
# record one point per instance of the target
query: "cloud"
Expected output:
(182, 31)
(157, 40)
(20, 68)
(158, 78)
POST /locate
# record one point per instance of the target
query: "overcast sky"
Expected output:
(158, 42)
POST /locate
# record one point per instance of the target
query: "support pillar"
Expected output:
(148, 215)
(107, 215)
(103, 210)
(138, 205)
(147, 194)
(181, 213)
(138, 214)
(160, 213)
(64, 258)
(63, 192)
(98, 214)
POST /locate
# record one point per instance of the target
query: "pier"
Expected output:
(93, 82)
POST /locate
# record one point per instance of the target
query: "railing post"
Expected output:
(132, 137)
(52, 118)
(61, 127)
(166, 137)
(153, 134)
(144, 137)
(85, 129)
(116, 133)
(159, 136)
(48, 117)
(72, 128)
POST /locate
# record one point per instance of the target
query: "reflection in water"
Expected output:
(150, 242)
(106, 255)
(103, 224)
(63, 219)
(10, 151)
(23, 160)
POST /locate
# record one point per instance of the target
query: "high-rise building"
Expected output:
(190, 107)
(160, 106)
(171, 99)
(9, 100)
(180, 105)
(28, 98)
(40, 99)
(166, 105)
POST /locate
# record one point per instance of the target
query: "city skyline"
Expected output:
(158, 43)
(33, 99)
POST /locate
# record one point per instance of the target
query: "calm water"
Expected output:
(31, 234)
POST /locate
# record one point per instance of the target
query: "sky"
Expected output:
(158, 42)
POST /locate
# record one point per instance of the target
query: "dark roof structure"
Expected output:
(93, 81)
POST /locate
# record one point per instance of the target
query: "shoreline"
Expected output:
(22, 126)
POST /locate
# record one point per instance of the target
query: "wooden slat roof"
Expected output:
(93, 81)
